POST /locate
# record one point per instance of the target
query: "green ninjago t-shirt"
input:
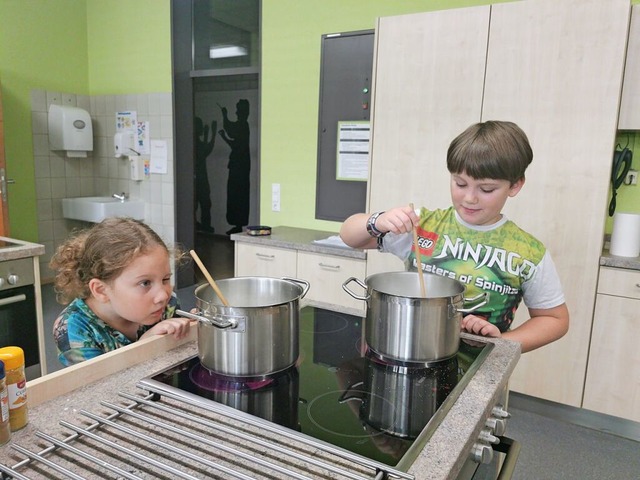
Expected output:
(501, 259)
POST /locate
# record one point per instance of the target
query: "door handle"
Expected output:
(3, 184)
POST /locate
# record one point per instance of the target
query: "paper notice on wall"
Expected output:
(158, 156)
(142, 142)
(352, 161)
(126, 121)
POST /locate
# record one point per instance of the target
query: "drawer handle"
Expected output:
(265, 257)
(638, 285)
(332, 267)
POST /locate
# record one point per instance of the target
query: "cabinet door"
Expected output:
(555, 69)
(326, 274)
(614, 358)
(429, 71)
(630, 103)
(258, 261)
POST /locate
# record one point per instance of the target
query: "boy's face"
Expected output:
(480, 201)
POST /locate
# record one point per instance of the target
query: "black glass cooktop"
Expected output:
(338, 391)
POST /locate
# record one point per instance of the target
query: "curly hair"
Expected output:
(103, 252)
(493, 149)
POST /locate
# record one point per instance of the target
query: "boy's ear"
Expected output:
(515, 188)
(98, 290)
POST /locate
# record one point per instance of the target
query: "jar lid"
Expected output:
(13, 357)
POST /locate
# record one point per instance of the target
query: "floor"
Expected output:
(552, 446)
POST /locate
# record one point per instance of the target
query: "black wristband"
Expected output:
(371, 226)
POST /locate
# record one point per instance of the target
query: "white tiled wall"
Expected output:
(100, 173)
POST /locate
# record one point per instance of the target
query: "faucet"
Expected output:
(120, 196)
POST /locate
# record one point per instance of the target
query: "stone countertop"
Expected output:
(608, 260)
(441, 458)
(301, 239)
(19, 249)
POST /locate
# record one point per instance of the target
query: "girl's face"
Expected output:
(480, 201)
(142, 291)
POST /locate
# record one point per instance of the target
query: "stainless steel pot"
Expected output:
(401, 400)
(402, 325)
(257, 334)
(275, 398)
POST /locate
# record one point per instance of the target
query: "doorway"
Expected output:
(216, 128)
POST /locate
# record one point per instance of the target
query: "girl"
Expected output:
(117, 276)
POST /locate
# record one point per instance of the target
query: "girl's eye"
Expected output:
(145, 283)
(166, 280)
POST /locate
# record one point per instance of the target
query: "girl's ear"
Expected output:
(516, 187)
(98, 290)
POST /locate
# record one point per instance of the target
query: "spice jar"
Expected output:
(13, 358)
(5, 428)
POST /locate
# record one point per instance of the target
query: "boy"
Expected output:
(473, 242)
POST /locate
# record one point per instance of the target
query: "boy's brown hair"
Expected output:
(494, 149)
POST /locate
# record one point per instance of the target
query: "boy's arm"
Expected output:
(397, 220)
(545, 326)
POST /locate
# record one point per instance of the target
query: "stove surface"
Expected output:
(338, 391)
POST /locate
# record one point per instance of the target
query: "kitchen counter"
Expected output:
(19, 249)
(61, 395)
(608, 260)
(302, 239)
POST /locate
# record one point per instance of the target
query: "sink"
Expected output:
(96, 209)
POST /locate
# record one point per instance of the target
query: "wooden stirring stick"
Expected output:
(205, 272)
(423, 289)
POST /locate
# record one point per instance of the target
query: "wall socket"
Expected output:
(275, 197)
(631, 178)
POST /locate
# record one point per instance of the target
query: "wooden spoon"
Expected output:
(205, 272)
(423, 289)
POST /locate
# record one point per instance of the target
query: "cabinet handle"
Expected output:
(332, 267)
(638, 285)
(265, 257)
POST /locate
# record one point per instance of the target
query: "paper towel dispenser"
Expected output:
(70, 129)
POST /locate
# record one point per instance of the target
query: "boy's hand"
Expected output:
(479, 326)
(397, 220)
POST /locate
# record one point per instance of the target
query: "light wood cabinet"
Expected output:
(612, 385)
(259, 261)
(554, 68)
(630, 103)
(325, 273)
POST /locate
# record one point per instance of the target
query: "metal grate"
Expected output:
(168, 435)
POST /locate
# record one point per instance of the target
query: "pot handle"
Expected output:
(305, 284)
(354, 295)
(213, 321)
(484, 296)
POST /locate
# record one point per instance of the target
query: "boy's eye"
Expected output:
(488, 190)
(145, 283)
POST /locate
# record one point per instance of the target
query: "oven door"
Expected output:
(19, 325)
(501, 467)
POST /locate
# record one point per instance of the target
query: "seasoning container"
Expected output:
(13, 358)
(5, 427)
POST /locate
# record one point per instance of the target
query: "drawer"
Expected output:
(326, 274)
(258, 261)
(619, 282)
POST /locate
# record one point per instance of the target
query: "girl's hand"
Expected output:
(178, 327)
(397, 220)
(479, 326)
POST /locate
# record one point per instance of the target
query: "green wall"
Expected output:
(129, 45)
(43, 45)
(89, 47)
(123, 46)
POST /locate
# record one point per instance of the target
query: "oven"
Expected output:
(340, 412)
(18, 318)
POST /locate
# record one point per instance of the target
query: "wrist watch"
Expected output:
(371, 226)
